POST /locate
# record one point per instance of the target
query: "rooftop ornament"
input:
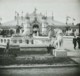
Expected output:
(67, 19)
(52, 16)
(73, 21)
(35, 10)
(22, 15)
(27, 16)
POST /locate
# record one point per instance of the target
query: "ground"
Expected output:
(74, 54)
(59, 71)
(41, 72)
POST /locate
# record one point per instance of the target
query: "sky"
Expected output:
(60, 9)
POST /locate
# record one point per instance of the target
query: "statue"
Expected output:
(59, 40)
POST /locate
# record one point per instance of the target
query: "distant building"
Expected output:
(34, 23)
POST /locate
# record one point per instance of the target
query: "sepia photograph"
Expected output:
(39, 37)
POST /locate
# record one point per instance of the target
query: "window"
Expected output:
(14, 41)
(4, 40)
(20, 41)
(27, 41)
(32, 42)
(1, 40)
(8, 40)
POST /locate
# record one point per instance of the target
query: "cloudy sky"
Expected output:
(60, 8)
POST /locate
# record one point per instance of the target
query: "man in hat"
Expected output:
(75, 41)
(7, 46)
(78, 40)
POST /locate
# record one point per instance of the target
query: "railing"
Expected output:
(28, 40)
(4, 40)
(24, 40)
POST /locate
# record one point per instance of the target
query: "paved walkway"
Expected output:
(68, 45)
(74, 54)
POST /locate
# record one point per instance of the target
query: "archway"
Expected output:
(36, 30)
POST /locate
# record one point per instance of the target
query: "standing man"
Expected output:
(78, 40)
(7, 46)
(74, 41)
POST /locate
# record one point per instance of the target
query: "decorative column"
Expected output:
(67, 19)
(44, 26)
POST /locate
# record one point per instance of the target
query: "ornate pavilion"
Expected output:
(34, 23)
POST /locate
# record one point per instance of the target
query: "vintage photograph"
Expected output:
(39, 37)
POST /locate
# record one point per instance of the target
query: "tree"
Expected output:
(3, 32)
(18, 29)
(11, 32)
(67, 28)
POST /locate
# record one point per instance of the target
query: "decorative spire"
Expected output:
(46, 13)
(67, 18)
(45, 16)
(17, 17)
(22, 15)
(35, 18)
(35, 10)
(73, 21)
(27, 16)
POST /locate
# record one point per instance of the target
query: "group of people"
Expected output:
(59, 40)
(76, 40)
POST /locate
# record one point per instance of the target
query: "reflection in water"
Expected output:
(63, 71)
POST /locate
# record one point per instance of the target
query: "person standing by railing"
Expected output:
(7, 47)
(78, 40)
(75, 41)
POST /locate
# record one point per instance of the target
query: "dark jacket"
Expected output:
(74, 40)
(7, 47)
(78, 39)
